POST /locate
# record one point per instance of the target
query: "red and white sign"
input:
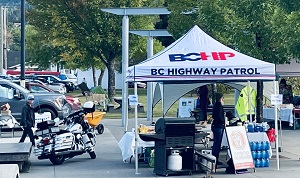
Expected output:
(239, 147)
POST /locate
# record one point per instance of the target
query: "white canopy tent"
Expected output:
(198, 58)
(288, 70)
(193, 59)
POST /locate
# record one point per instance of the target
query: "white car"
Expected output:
(69, 77)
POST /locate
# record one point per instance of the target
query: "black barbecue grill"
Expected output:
(173, 133)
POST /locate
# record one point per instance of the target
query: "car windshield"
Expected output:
(56, 78)
(71, 76)
(18, 87)
(35, 89)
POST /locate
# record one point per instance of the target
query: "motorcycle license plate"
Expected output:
(54, 129)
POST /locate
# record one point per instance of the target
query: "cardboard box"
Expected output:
(5, 113)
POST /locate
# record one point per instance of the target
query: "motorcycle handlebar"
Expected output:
(79, 113)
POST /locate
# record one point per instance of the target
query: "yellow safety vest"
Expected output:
(243, 106)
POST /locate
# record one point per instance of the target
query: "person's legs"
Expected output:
(204, 114)
(218, 133)
(25, 132)
(30, 134)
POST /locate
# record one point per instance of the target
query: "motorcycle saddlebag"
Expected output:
(45, 124)
(64, 141)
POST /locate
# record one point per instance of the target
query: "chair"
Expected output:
(84, 89)
(100, 100)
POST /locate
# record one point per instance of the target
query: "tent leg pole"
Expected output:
(276, 128)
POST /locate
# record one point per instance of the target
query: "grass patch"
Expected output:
(157, 111)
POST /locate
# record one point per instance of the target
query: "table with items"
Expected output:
(9, 121)
(127, 145)
(284, 114)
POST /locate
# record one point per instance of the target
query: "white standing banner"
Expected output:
(185, 106)
(239, 147)
(276, 99)
(40, 117)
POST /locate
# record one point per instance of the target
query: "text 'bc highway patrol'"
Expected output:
(203, 56)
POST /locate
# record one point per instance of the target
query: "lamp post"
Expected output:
(22, 62)
(1, 41)
(125, 12)
(150, 34)
(125, 45)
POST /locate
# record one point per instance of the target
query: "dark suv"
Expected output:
(53, 79)
(15, 96)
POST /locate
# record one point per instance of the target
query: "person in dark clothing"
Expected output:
(218, 125)
(204, 100)
(28, 120)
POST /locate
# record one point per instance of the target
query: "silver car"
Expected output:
(15, 95)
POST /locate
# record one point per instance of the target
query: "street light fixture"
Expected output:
(125, 44)
(150, 34)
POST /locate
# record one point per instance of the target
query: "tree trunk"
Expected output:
(259, 101)
(111, 79)
(100, 78)
(260, 86)
(94, 76)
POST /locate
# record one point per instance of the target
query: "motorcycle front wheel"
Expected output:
(92, 154)
(57, 160)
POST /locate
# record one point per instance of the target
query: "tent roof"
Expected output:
(197, 56)
(289, 70)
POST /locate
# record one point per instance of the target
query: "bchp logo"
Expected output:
(200, 56)
(238, 140)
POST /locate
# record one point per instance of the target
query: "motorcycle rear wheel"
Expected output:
(57, 160)
(92, 154)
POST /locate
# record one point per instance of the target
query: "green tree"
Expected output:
(86, 36)
(264, 29)
(37, 51)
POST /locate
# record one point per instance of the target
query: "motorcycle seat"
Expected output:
(63, 131)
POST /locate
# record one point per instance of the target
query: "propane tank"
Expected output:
(174, 161)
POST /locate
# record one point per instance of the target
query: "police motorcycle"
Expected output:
(57, 144)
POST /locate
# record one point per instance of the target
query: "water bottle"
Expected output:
(151, 162)
(250, 127)
(257, 163)
(267, 154)
(255, 145)
(264, 145)
(259, 155)
(259, 146)
(251, 146)
(263, 162)
(267, 164)
(267, 145)
(254, 154)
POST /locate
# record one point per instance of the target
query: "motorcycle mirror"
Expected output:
(56, 119)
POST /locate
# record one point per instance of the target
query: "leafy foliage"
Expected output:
(264, 29)
(84, 36)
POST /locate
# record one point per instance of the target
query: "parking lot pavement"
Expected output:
(109, 159)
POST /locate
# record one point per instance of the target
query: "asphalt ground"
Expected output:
(109, 159)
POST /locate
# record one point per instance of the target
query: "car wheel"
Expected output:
(70, 109)
(53, 115)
